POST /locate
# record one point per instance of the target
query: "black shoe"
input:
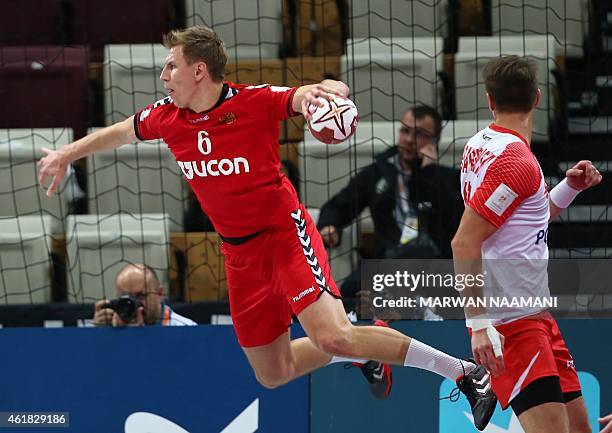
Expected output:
(476, 386)
(379, 378)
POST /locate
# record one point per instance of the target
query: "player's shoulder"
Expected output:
(159, 107)
(500, 141)
(255, 89)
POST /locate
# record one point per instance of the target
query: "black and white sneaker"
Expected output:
(476, 385)
(379, 378)
(378, 375)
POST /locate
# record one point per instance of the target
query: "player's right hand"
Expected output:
(53, 165)
(103, 316)
(487, 347)
(330, 236)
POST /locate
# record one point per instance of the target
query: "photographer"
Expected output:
(139, 301)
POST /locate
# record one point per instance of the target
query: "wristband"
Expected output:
(563, 195)
(480, 322)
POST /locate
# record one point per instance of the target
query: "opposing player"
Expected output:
(504, 230)
(225, 140)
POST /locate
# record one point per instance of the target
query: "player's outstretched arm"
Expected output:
(581, 176)
(487, 343)
(55, 162)
(306, 95)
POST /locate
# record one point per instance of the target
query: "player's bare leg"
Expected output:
(578, 418)
(330, 333)
(545, 418)
(277, 363)
(326, 324)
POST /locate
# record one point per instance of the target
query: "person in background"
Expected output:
(139, 282)
(415, 203)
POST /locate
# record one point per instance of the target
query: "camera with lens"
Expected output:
(125, 306)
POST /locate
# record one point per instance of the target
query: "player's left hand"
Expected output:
(606, 421)
(487, 347)
(320, 90)
(583, 175)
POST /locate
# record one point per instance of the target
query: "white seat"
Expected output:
(252, 30)
(131, 78)
(455, 135)
(388, 75)
(137, 178)
(397, 18)
(20, 194)
(343, 258)
(99, 246)
(566, 20)
(475, 52)
(326, 169)
(25, 263)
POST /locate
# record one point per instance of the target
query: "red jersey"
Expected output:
(229, 155)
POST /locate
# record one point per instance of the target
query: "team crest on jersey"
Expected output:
(228, 118)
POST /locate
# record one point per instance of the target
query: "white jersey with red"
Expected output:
(229, 155)
(501, 180)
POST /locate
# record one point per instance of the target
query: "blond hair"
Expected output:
(200, 43)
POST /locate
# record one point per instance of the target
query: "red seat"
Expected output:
(31, 22)
(44, 86)
(97, 23)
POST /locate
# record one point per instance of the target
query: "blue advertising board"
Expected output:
(143, 380)
(341, 402)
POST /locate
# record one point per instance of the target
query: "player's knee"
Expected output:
(274, 378)
(337, 342)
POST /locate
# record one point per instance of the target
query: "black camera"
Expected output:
(125, 306)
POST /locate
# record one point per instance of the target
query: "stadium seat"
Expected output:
(473, 54)
(137, 178)
(455, 135)
(566, 20)
(25, 246)
(98, 246)
(343, 258)
(397, 18)
(386, 76)
(97, 23)
(20, 150)
(131, 78)
(326, 169)
(252, 29)
(40, 22)
(45, 86)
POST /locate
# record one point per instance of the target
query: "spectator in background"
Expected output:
(415, 203)
(142, 284)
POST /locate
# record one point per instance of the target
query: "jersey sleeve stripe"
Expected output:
(290, 111)
(136, 130)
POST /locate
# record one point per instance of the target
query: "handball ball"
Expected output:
(335, 121)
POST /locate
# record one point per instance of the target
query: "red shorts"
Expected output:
(533, 348)
(275, 275)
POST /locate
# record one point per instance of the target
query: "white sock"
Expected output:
(336, 359)
(422, 356)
